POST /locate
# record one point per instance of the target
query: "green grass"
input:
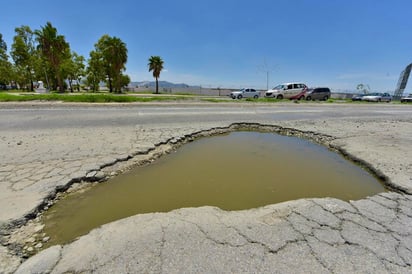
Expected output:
(270, 100)
(214, 100)
(11, 91)
(85, 98)
(184, 93)
(133, 97)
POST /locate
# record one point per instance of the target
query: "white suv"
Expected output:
(287, 91)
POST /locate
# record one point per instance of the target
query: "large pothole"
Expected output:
(233, 171)
(121, 168)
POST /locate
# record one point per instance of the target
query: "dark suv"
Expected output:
(317, 93)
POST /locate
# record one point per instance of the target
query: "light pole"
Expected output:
(265, 68)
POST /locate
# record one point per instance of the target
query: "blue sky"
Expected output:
(236, 43)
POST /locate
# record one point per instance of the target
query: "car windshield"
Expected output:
(279, 87)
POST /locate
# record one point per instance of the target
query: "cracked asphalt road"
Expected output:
(305, 236)
(325, 235)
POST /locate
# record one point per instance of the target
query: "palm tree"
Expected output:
(156, 65)
(114, 56)
(54, 49)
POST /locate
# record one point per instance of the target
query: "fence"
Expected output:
(213, 91)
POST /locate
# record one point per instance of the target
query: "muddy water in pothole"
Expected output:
(239, 170)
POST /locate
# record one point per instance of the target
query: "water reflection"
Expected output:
(236, 171)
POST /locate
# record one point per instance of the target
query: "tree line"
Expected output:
(45, 55)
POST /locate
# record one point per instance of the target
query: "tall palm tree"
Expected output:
(119, 59)
(54, 49)
(156, 65)
(114, 56)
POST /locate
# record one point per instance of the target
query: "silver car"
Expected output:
(406, 99)
(245, 93)
(287, 91)
(377, 97)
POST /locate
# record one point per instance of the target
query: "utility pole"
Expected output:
(265, 68)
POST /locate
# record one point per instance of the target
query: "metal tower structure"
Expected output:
(403, 80)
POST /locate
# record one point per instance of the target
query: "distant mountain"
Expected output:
(162, 84)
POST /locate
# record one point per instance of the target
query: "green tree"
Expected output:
(6, 68)
(124, 80)
(113, 54)
(74, 69)
(55, 51)
(3, 45)
(156, 66)
(79, 68)
(24, 55)
(95, 71)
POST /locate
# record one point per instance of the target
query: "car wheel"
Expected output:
(308, 98)
(302, 97)
(239, 96)
(379, 100)
(325, 98)
(256, 96)
(233, 97)
(280, 97)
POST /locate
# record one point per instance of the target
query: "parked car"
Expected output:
(317, 94)
(245, 93)
(299, 96)
(406, 99)
(377, 97)
(287, 91)
(358, 97)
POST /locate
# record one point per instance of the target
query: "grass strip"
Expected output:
(86, 98)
